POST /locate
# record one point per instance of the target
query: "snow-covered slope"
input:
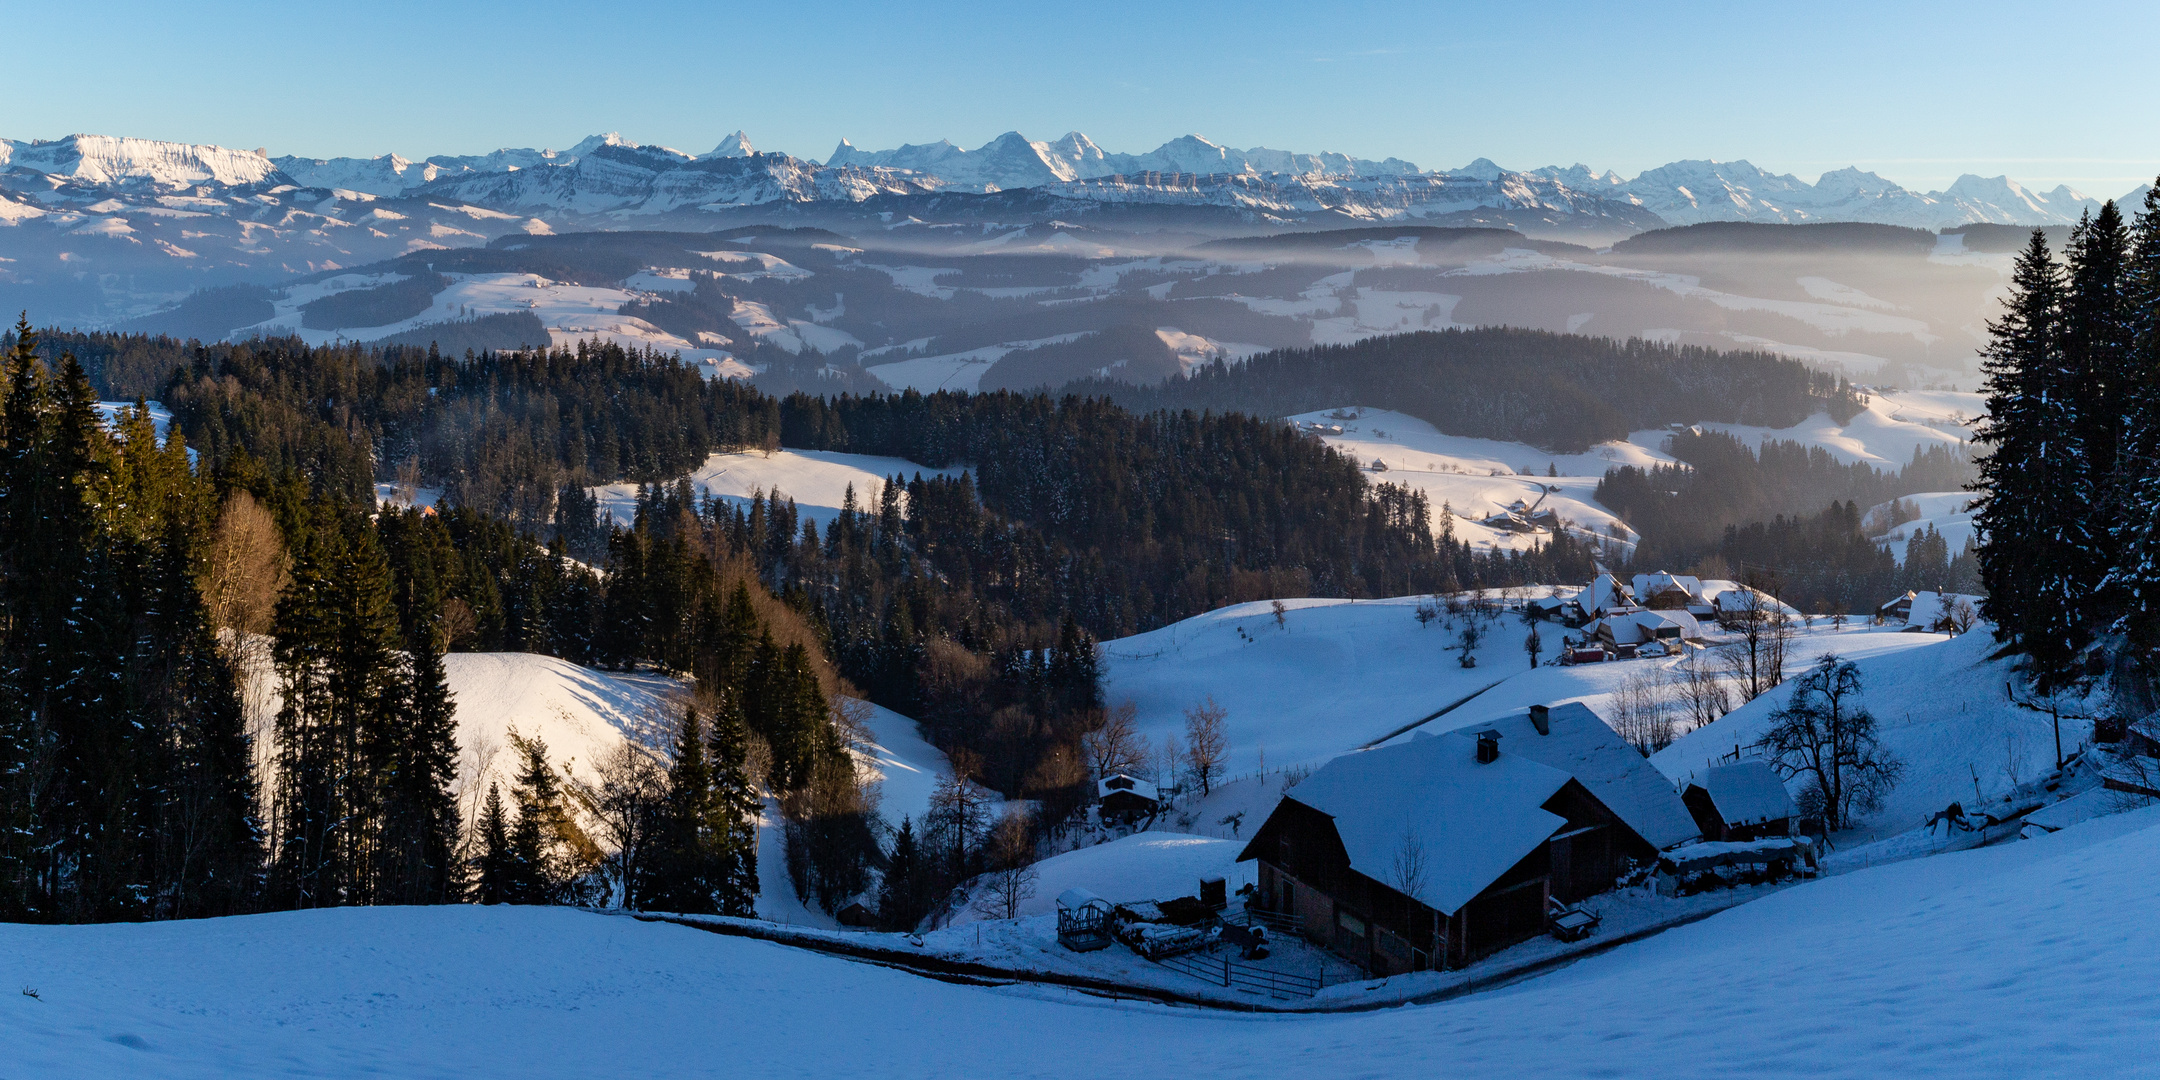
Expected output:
(1333, 676)
(1478, 478)
(2024, 960)
(568, 313)
(1942, 711)
(818, 481)
(1885, 434)
(1947, 512)
(581, 714)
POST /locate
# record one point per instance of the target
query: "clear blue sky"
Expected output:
(1918, 92)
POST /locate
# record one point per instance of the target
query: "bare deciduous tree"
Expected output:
(957, 807)
(1703, 691)
(1825, 736)
(1466, 643)
(1206, 742)
(246, 567)
(1012, 876)
(626, 804)
(1642, 710)
(1117, 746)
(1407, 874)
(1764, 628)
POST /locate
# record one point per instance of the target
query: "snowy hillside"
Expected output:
(1337, 675)
(1885, 434)
(1943, 712)
(582, 714)
(568, 313)
(1333, 676)
(1879, 972)
(1947, 512)
(818, 481)
(1479, 478)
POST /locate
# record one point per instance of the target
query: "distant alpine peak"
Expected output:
(736, 145)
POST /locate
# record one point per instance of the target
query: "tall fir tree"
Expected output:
(735, 812)
(2134, 583)
(2030, 506)
(420, 819)
(681, 875)
(492, 871)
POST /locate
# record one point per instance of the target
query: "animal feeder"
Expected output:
(1083, 920)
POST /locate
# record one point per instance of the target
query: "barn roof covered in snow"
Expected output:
(1131, 785)
(1582, 745)
(1604, 594)
(1471, 821)
(1748, 793)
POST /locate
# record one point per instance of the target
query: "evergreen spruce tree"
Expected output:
(493, 871)
(735, 811)
(207, 838)
(899, 895)
(2097, 388)
(541, 870)
(304, 868)
(682, 874)
(420, 819)
(2029, 510)
(2134, 582)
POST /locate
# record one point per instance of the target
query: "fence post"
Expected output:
(1226, 971)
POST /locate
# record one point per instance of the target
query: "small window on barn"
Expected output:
(1350, 923)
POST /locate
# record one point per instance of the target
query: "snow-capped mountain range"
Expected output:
(1012, 161)
(607, 174)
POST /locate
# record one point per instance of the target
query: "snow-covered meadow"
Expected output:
(2024, 960)
(816, 479)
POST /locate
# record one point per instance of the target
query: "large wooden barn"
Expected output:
(1434, 852)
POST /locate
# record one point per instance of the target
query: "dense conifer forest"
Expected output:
(1562, 392)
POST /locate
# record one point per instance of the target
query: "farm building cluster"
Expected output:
(1434, 852)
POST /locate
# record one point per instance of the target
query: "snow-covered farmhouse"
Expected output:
(1437, 851)
(1635, 628)
(1605, 594)
(1674, 592)
(1744, 801)
(1119, 797)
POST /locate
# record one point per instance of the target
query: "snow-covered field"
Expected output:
(2030, 959)
(816, 479)
(954, 371)
(1477, 478)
